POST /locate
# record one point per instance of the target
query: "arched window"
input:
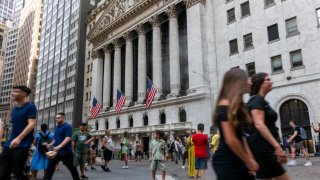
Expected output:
(183, 116)
(106, 122)
(145, 120)
(163, 118)
(294, 109)
(130, 122)
(97, 125)
(118, 123)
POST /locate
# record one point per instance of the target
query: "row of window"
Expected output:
(276, 63)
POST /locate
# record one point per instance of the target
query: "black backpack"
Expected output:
(44, 138)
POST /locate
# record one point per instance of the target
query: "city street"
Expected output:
(140, 170)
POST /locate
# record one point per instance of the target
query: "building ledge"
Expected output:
(146, 129)
(156, 104)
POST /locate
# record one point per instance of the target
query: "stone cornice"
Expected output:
(193, 2)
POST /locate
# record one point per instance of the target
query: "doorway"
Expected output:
(145, 145)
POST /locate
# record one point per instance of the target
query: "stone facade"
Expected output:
(208, 36)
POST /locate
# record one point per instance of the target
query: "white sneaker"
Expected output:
(183, 167)
(292, 163)
(127, 167)
(124, 167)
(307, 164)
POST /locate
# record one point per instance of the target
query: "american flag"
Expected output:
(121, 99)
(151, 92)
(96, 107)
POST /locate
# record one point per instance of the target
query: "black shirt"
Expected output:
(298, 137)
(224, 155)
(256, 141)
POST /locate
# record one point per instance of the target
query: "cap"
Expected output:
(83, 124)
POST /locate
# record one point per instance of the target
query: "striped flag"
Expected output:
(151, 92)
(96, 107)
(121, 99)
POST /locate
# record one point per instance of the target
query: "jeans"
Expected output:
(18, 156)
(67, 161)
(177, 157)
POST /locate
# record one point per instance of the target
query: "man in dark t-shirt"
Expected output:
(23, 118)
(62, 145)
(297, 144)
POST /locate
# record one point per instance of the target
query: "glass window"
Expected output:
(292, 27)
(273, 32)
(231, 15)
(296, 58)
(247, 40)
(276, 64)
(233, 46)
(268, 3)
(245, 9)
(318, 16)
(251, 69)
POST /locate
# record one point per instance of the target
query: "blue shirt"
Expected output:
(60, 133)
(38, 136)
(19, 117)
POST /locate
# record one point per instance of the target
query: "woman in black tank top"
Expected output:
(233, 159)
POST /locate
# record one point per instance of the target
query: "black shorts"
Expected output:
(107, 154)
(138, 153)
(231, 172)
(268, 165)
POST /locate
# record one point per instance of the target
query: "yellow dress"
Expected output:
(191, 157)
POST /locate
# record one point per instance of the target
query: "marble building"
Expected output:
(185, 47)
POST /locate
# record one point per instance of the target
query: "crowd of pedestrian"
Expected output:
(244, 142)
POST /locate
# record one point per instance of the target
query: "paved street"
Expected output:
(141, 171)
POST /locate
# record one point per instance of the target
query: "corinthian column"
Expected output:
(107, 76)
(174, 51)
(156, 56)
(142, 63)
(97, 75)
(129, 68)
(117, 70)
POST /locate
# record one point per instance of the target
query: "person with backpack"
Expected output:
(39, 160)
(299, 135)
(80, 142)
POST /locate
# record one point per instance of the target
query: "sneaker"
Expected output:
(93, 168)
(183, 167)
(103, 168)
(292, 163)
(124, 167)
(307, 164)
(84, 177)
(108, 170)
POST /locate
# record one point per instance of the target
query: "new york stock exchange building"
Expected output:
(184, 47)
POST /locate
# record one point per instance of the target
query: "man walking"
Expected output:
(62, 145)
(23, 122)
(80, 142)
(297, 144)
(200, 141)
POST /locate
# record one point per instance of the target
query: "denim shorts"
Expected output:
(201, 163)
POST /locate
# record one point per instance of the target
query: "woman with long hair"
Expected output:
(264, 139)
(233, 160)
(125, 149)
